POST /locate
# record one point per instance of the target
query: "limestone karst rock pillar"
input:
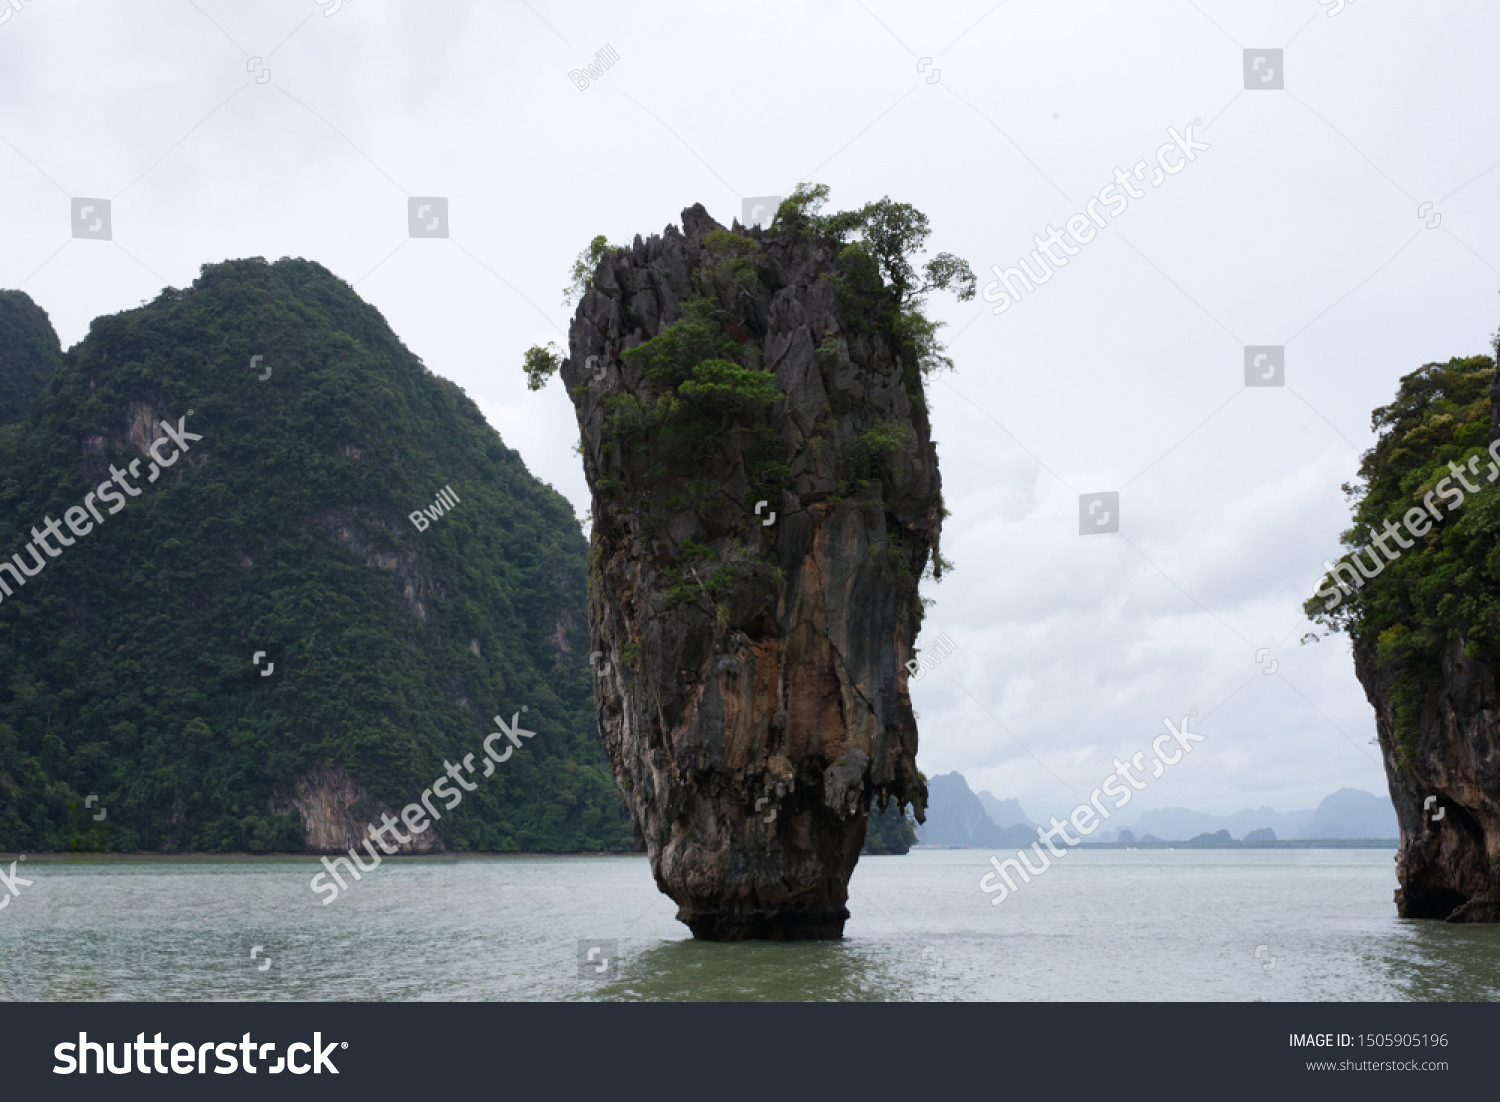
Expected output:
(1437, 707)
(754, 562)
(1444, 779)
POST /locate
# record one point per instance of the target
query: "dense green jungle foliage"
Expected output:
(1445, 586)
(125, 665)
(890, 831)
(29, 354)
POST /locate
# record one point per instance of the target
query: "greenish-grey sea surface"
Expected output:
(1313, 925)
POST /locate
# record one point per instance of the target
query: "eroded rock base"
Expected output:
(778, 925)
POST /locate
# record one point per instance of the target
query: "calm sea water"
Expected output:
(1111, 925)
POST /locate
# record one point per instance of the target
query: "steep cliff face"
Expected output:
(336, 812)
(765, 498)
(1425, 654)
(1448, 862)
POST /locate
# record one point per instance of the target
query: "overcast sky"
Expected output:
(1304, 225)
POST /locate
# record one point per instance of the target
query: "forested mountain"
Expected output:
(29, 354)
(270, 440)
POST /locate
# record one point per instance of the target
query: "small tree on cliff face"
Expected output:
(888, 234)
(891, 233)
(540, 364)
(584, 267)
(542, 361)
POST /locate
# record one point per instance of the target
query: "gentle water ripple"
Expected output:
(1100, 925)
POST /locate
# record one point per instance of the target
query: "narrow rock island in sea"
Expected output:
(1418, 591)
(766, 499)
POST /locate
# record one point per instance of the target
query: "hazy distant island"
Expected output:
(958, 817)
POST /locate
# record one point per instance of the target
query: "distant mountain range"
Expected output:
(1350, 813)
(1174, 823)
(956, 816)
(1003, 813)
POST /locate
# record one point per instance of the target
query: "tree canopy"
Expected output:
(126, 662)
(1445, 586)
(29, 354)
